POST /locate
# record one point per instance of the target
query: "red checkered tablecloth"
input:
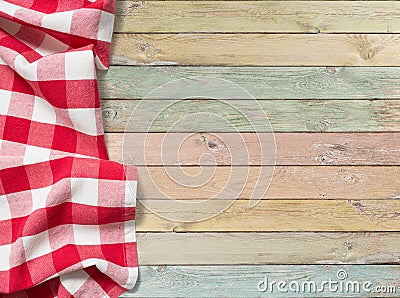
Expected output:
(67, 213)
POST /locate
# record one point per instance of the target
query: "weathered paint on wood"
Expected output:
(268, 248)
(257, 49)
(258, 16)
(262, 82)
(291, 149)
(273, 216)
(242, 280)
(288, 182)
(284, 115)
(358, 204)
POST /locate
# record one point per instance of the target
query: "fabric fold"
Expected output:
(67, 213)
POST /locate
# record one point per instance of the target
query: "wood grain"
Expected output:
(257, 49)
(288, 182)
(268, 248)
(271, 216)
(258, 16)
(284, 115)
(291, 149)
(262, 82)
(242, 280)
(326, 73)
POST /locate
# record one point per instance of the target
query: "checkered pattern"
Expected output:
(67, 213)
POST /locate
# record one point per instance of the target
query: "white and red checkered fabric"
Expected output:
(67, 213)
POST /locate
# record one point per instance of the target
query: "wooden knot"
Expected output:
(161, 268)
(144, 46)
(324, 159)
(331, 70)
(109, 113)
(212, 145)
(323, 125)
(348, 245)
(315, 30)
(367, 53)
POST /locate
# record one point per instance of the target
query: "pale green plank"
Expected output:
(284, 115)
(262, 82)
(242, 281)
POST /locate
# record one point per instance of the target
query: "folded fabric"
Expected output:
(67, 213)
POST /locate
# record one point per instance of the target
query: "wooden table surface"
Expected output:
(327, 74)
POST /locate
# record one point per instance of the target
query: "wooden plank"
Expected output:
(288, 182)
(262, 82)
(258, 16)
(257, 49)
(242, 280)
(271, 216)
(284, 115)
(291, 149)
(268, 248)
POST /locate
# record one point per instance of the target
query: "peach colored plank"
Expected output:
(291, 148)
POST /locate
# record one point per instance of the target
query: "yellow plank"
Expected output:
(258, 16)
(271, 216)
(288, 182)
(291, 148)
(257, 49)
(267, 248)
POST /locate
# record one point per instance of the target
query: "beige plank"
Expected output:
(291, 148)
(268, 248)
(257, 49)
(258, 16)
(269, 216)
(288, 182)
